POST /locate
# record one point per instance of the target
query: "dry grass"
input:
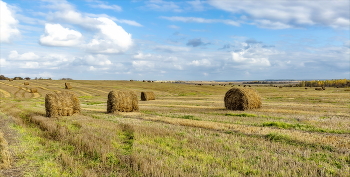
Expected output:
(188, 132)
(5, 158)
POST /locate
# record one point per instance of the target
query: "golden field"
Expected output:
(185, 131)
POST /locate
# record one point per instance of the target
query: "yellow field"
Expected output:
(186, 131)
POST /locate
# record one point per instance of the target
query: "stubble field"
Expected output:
(186, 131)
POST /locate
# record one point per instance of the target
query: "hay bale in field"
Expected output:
(280, 87)
(122, 101)
(33, 90)
(145, 96)
(61, 104)
(26, 83)
(67, 85)
(10, 79)
(319, 89)
(242, 99)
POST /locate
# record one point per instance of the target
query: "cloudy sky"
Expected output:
(175, 40)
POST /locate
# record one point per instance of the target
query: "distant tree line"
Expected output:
(325, 83)
(2, 77)
(267, 82)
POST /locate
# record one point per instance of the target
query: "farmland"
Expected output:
(185, 131)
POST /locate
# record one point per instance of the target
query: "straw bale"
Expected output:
(67, 85)
(26, 83)
(145, 96)
(61, 104)
(242, 99)
(33, 90)
(10, 79)
(122, 101)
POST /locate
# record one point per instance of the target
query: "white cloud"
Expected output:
(203, 62)
(197, 5)
(25, 56)
(105, 6)
(140, 55)
(56, 35)
(100, 60)
(239, 58)
(173, 27)
(143, 65)
(160, 5)
(110, 39)
(8, 24)
(129, 22)
(287, 14)
(29, 65)
(168, 48)
(200, 20)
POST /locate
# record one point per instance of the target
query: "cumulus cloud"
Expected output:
(14, 55)
(252, 53)
(200, 20)
(8, 24)
(111, 38)
(196, 42)
(143, 65)
(288, 14)
(203, 62)
(57, 35)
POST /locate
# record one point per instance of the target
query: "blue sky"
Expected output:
(175, 40)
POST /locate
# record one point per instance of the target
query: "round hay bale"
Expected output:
(26, 83)
(122, 101)
(67, 85)
(33, 90)
(242, 99)
(61, 104)
(145, 96)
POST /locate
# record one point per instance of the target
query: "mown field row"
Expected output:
(186, 131)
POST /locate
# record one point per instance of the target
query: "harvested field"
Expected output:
(186, 131)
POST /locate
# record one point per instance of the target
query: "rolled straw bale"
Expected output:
(26, 83)
(67, 85)
(242, 99)
(33, 90)
(122, 101)
(10, 79)
(61, 104)
(145, 96)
